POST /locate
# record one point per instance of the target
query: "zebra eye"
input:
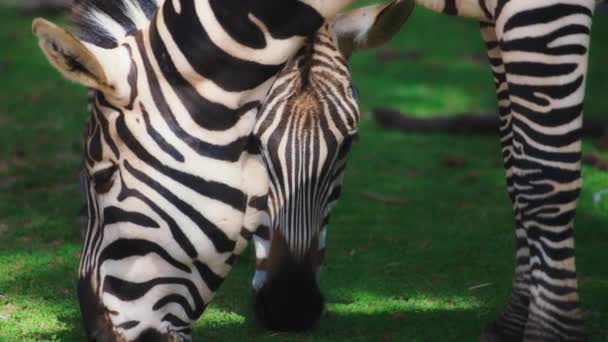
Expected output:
(103, 179)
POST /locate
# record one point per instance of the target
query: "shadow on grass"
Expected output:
(359, 312)
(359, 292)
(399, 325)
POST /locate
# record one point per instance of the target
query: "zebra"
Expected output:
(304, 130)
(538, 52)
(171, 176)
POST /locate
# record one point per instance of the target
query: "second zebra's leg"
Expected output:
(544, 47)
(510, 325)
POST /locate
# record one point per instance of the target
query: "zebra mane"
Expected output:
(105, 22)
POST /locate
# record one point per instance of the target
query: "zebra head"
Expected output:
(176, 86)
(305, 131)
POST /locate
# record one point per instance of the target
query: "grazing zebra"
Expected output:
(538, 52)
(172, 186)
(305, 130)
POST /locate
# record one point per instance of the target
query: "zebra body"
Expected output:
(173, 183)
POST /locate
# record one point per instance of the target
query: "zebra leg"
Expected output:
(544, 47)
(510, 325)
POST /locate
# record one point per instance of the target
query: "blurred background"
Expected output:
(420, 247)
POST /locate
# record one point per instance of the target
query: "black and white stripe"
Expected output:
(173, 182)
(305, 130)
(305, 150)
(538, 52)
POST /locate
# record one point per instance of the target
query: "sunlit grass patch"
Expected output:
(367, 303)
(217, 317)
(34, 318)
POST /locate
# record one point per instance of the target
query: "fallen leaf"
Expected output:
(472, 176)
(35, 97)
(475, 58)
(19, 152)
(455, 160)
(602, 164)
(590, 158)
(389, 54)
(393, 240)
(602, 143)
(383, 199)
(18, 35)
(464, 205)
(55, 242)
(397, 316)
(412, 173)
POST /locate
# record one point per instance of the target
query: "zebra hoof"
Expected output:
(538, 330)
(493, 334)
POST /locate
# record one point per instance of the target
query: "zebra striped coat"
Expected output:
(305, 130)
(172, 188)
(538, 51)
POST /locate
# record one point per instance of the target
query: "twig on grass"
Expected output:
(476, 287)
(383, 199)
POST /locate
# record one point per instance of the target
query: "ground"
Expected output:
(435, 265)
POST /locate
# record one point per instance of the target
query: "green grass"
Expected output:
(394, 272)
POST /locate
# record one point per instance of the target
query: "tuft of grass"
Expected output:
(394, 272)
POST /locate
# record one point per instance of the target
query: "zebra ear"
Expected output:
(371, 26)
(69, 55)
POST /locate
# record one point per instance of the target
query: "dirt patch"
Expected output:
(3, 229)
(389, 54)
